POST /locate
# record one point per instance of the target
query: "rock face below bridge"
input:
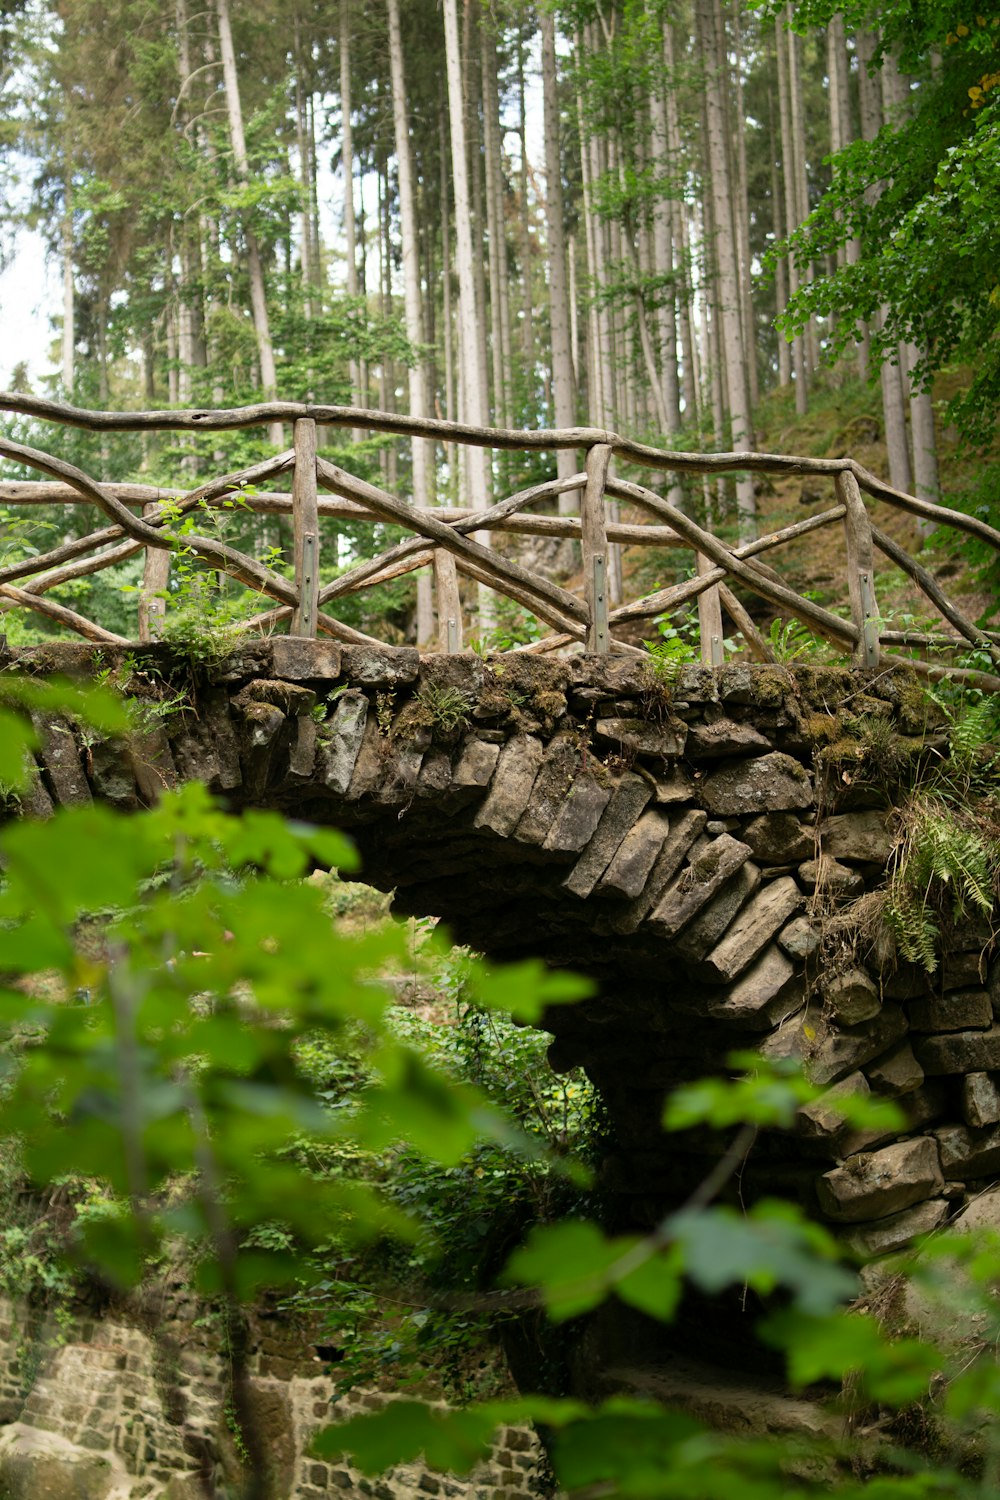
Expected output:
(686, 843)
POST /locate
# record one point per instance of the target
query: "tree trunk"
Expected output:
(474, 405)
(741, 216)
(791, 218)
(728, 301)
(796, 108)
(559, 319)
(494, 221)
(413, 311)
(781, 266)
(258, 297)
(69, 291)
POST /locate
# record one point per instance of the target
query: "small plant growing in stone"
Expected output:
(444, 708)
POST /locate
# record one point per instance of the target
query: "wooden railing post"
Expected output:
(305, 521)
(449, 605)
(155, 578)
(713, 651)
(595, 549)
(860, 569)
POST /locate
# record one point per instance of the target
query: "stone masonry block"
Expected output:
(510, 789)
(968, 1153)
(778, 838)
(960, 1010)
(697, 885)
(761, 996)
(830, 1054)
(298, 659)
(628, 871)
(476, 763)
(959, 1051)
(701, 935)
(875, 1184)
(685, 833)
(555, 777)
(579, 815)
(895, 1073)
(643, 736)
(852, 996)
(342, 741)
(857, 837)
(980, 1100)
(752, 930)
(725, 738)
(886, 1236)
(770, 783)
(627, 802)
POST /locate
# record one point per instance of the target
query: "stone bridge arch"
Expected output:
(667, 838)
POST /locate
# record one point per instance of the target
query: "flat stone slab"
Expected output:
(554, 779)
(875, 1184)
(886, 1236)
(510, 789)
(857, 837)
(896, 1073)
(696, 885)
(579, 815)
(375, 666)
(288, 696)
(476, 764)
(980, 1100)
(822, 1128)
(800, 939)
(959, 1052)
(753, 929)
(852, 996)
(702, 935)
(830, 877)
(684, 832)
(627, 873)
(60, 754)
(968, 1153)
(300, 659)
(769, 783)
(627, 802)
(725, 738)
(340, 742)
(982, 1213)
(644, 736)
(778, 838)
(759, 999)
(829, 1054)
(961, 1010)
(676, 786)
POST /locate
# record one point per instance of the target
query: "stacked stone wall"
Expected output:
(110, 1408)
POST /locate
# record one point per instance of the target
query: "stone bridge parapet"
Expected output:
(689, 842)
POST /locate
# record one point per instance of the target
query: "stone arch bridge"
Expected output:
(680, 841)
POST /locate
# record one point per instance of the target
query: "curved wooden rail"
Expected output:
(144, 519)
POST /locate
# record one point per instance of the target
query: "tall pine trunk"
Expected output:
(413, 311)
(255, 269)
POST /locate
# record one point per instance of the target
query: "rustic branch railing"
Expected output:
(143, 519)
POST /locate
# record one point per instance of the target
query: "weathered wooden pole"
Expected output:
(305, 522)
(595, 549)
(155, 578)
(860, 569)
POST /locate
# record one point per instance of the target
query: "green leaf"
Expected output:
(771, 1245)
(571, 1265)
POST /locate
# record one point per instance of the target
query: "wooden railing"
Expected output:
(144, 519)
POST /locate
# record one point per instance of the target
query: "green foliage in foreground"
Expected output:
(162, 1067)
